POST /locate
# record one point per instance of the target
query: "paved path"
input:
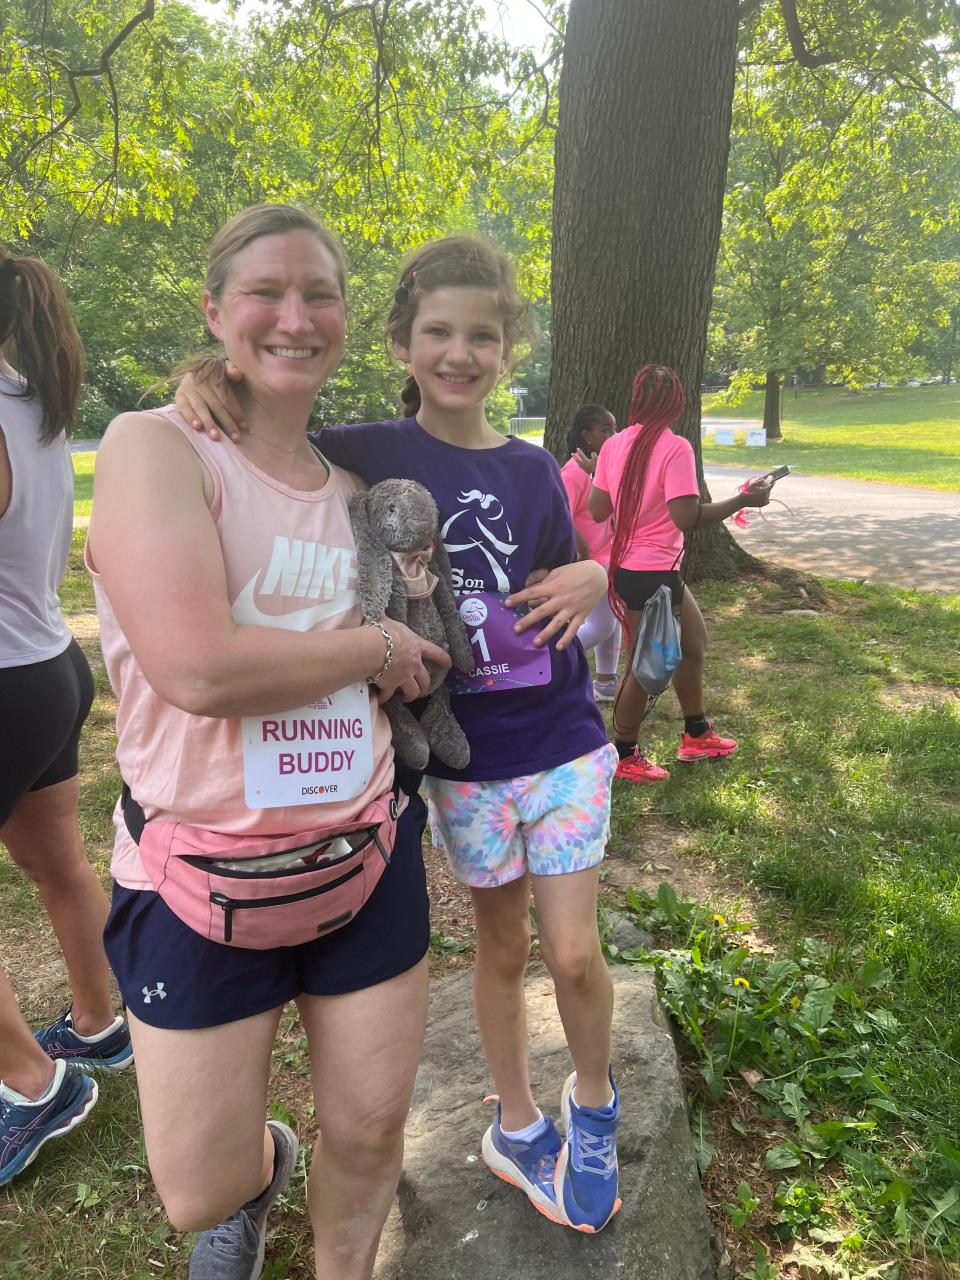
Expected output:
(854, 528)
(738, 424)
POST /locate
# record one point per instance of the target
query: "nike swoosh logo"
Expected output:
(246, 612)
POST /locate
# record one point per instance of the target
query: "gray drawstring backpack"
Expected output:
(657, 653)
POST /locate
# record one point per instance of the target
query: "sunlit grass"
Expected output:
(83, 482)
(906, 435)
(841, 804)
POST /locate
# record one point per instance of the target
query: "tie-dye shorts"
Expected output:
(548, 823)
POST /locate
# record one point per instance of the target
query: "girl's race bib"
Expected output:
(320, 752)
(504, 659)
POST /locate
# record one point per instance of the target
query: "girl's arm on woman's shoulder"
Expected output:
(207, 399)
(155, 545)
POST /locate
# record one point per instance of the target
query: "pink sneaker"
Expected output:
(637, 768)
(709, 746)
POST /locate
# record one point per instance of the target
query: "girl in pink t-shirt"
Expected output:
(646, 477)
(592, 425)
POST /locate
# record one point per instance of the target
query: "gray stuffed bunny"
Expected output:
(403, 571)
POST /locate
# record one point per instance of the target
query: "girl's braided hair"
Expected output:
(657, 403)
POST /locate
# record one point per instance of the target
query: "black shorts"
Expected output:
(636, 586)
(42, 710)
(172, 977)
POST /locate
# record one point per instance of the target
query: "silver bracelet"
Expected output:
(372, 622)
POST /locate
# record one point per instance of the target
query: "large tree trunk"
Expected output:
(771, 406)
(646, 92)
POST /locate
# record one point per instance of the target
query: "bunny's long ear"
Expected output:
(446, 602)
(374, 566)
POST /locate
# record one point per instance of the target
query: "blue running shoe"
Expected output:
(586, 1176)
(110, 1050)
(25, 1126)
(527, 1165)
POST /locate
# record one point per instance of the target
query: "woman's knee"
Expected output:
(365, 1135)
(57, 869)
(195, 1205)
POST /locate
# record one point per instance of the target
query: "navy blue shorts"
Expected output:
(172, 977)
(42, 709)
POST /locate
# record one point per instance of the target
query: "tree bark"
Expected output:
(646, 93)
(771, 406)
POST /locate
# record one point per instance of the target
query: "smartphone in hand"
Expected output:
(777, 474)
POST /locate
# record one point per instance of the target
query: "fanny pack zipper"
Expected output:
(229, 905)
(209, 865)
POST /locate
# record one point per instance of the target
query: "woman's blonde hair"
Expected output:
(265, 220)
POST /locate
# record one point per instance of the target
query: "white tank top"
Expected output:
(35, 532)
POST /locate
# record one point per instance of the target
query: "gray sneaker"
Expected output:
(233, 1250)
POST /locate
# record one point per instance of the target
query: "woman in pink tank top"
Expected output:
(232, 634)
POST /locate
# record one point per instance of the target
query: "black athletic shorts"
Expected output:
(42, 710)
(171, 976)
(636, 586)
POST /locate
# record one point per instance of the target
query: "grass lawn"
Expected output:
(904, 435)
(83, 482)
(837, 822)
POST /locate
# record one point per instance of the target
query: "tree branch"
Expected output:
(553, 27)
(916, 83)
(100, 68)
(797, 40)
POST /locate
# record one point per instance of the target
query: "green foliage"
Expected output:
(443, 944)
(838, 814)
(810, 1032)
(841, 227)
(391, 122)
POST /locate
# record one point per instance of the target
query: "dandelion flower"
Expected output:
(741, 982)
(795, 1002)
(719, 919)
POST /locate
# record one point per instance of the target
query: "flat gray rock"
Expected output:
(455, 1221)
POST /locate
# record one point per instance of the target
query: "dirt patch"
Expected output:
(451, 916)
(914, 697)
(86, 631)
(34, 965)
(664, 853)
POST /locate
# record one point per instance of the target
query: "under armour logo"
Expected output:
(157, 991)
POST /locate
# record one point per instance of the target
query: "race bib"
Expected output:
(503, 659)
(318, 753)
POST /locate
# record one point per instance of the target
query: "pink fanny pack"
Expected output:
(274, 891)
